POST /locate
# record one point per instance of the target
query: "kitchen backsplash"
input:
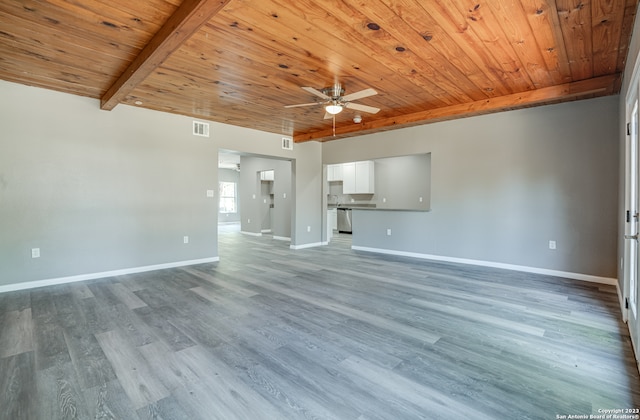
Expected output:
(335, 197)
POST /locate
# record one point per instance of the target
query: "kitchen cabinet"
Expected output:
(267, 175)
(332, 216)
(334, 172)
(358, 177)
(348, 178)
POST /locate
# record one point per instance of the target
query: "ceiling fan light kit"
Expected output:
(333, 108)
(334, 101)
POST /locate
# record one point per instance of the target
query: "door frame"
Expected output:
(631, 220)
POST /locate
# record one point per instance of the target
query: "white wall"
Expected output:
(101, 191)
(98, 191)
(504, 185)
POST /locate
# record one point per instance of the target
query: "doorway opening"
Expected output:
(256, 195)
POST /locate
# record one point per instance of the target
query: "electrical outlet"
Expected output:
(253, 196)
(209, 193)
(420, 199)
(35, 252)
(384, 200)
(284, 195)
(248, 220)
(185, 239)
(388, 232)
(308, 228)
(552, 244)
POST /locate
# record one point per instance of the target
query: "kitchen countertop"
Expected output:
(371, 207)
(352, 206)
(389, 209)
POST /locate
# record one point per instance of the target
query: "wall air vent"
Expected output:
(200, 129)
(287, 143)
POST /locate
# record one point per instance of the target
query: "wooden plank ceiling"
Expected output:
(240, 62)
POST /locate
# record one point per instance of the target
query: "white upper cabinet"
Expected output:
(365, 177)
(334, 172)
(358, 177)
(349, 178)
(267, 175)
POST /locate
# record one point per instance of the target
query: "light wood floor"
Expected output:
(321, 333)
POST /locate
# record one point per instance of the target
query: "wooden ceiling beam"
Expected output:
(599, 86)
(185, 21)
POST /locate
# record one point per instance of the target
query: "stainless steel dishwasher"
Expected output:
(344, 220)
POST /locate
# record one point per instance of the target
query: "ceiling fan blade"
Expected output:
(298, 105)
(316, 92)
(358, 95)
(363, 108)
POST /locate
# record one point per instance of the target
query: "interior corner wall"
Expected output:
(503, 186)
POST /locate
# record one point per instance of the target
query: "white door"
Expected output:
(631, 248)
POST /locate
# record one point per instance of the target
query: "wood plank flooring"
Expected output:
(321, 333)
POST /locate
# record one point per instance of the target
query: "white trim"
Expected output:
(266, 231)
(281, 238)
(566, 274)
(251, 233)
(93, 276)
(303, 246)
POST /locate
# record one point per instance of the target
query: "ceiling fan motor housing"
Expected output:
(335, 92)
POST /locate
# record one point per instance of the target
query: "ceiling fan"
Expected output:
(334, 101)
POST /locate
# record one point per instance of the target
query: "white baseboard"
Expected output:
(93, 276)
(266, 231)
(526, 269)
(313, 245)
(281, 238)
(251, 233)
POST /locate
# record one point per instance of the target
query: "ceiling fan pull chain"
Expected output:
(334, 125)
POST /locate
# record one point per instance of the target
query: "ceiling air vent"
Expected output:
(200, 129)
(287, 143)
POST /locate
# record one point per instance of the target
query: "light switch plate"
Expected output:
(209, 193)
